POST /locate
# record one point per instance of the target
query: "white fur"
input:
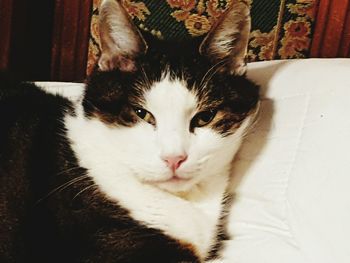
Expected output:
(126, 163)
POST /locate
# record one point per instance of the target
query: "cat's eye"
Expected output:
(145, 115)
(203, 118)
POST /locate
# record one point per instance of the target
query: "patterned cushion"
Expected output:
(280, 29)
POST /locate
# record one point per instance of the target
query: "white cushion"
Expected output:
(292, 175)
(70, 90)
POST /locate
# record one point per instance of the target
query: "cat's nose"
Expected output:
(174, 162)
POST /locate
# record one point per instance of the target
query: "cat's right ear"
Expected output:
(121, 42)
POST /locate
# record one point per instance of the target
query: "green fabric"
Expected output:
(280, 29)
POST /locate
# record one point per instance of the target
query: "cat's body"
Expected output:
(134, 172)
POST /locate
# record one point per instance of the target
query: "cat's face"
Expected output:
(169, 116)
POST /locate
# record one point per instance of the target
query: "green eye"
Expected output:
(203, 118)
(145, 115)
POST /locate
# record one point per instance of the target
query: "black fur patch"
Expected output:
(112, 95)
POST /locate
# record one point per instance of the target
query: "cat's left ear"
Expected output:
(228, 39)
(121, 41)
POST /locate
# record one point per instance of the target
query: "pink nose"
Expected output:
(174, 162)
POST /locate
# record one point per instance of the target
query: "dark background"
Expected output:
(29, 39)
(45, 39)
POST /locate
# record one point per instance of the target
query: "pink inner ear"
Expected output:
(121, 42)
(127, 65)
(109, 63)
(228, 39)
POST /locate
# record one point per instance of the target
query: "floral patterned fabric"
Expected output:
(280, 29)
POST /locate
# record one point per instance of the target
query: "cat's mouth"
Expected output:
(175, 184)
(175, 179)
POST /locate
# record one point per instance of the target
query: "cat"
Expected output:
(137, 170)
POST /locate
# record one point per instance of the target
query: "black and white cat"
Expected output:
(137, 170)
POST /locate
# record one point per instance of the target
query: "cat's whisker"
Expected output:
(63, 186)
(69, 170)
(143, 234)
(69, 183)
(85, 189)
(145, 77)
(91, 104)
(216, 67)
(166, 71)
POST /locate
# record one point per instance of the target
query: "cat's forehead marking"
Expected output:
(170, 93)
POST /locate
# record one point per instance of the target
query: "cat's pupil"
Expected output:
(145, 115)
(203, 118)
(206, 116)
(140, 112)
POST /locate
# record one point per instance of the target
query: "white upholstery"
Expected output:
(293, 173)
(292, 176)
(70, 90)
